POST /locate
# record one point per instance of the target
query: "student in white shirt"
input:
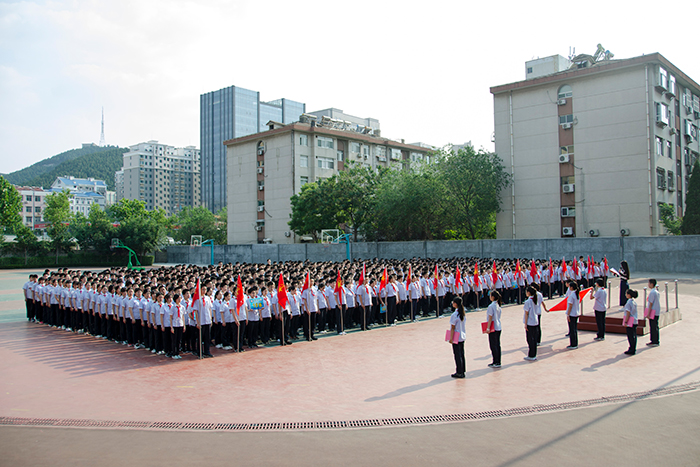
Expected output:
(28, 289)
(177, 326)
(654, 306)
(530, 322)
(630, 313)
(310, 304)
(600, 297)
(415, 294)
(572, 313)
(493, 316)
(457, 328)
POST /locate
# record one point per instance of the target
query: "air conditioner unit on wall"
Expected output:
(258, 228)
(260, 170)
(568, 212)
(567, 231)
(563, 158)
(625, 232)
(261, 208)
(561, 102)
(261, 188)
(568, 188)
(566, 126)
(594, 232)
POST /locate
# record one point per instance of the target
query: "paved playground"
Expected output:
(342, 391)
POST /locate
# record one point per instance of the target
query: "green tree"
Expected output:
(314, 208)
(473, 181)
(199, 221)
(353, 194)
(669, 219)
(141, 230)
(94, 231)
(25, 242)
(58, 216)
(691, 218)
(10, 206)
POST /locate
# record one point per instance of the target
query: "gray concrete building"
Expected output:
(595, 145)
(160, 175)
(266, 169)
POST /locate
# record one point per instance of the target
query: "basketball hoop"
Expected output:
(330, 235)
(195, 241)
(115, 243)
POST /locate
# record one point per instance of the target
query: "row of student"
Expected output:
(532, 321)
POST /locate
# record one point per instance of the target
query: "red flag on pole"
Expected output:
(408, 279)
(239, 295)
(384, 281)
(435, 281)
(561, 306)
(533, 270)
(362, 275)
(574, 264)
(518, 270)
(307, 282)
(551, 269)
(281, 294)
(590, 266)
(339, 288)
(494, 274)
(605, 262)
(477, 280)
(563, 266)
(458, 277)
(196, 296)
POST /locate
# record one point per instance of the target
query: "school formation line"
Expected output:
(240, 306)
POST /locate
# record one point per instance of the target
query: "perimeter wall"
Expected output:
(668, 254)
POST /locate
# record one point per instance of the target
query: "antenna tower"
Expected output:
(102, 132)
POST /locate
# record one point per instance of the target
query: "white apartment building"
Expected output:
(595, 146)
(33, 205)
(160, 175)
(71, 183)
(265, 169)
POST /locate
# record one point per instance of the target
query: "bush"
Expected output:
(74, 260)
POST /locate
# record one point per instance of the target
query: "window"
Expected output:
(303, 161)
(365, 151)
(669, 149)
(340, 154)
(661, 114)
(672, 84)
(566, 119)
(395, 154)
(659, 146)
(303, 181)
(662, 78)
(380, 152)
(29, 220)
(355, 148)
(529, 70)
(564, 92)
(303, 140)
(567, 150)
(671, 181)
(261, 202)
(568, 180)
(660, 178)
(325, 163)
(261, 183)
(29, 198)
(37, 209)
(323, 142)
(416, 156)
(28, 209)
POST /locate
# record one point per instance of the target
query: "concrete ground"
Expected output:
(386, 373)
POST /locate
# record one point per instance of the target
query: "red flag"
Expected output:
(561, 306)
(551, 269)
(307, 282)
(281, 294)
(384, 281)
(494, 274)
(339, 289)
(590, 266)
(435, 281)
(458, 277)
(563, 266)
(408, 279)
(197, 292)
(605, 262)
(533, 270)
(574, 264)
(239, 295)
(362, 276)
(518, 270)
(477, 280)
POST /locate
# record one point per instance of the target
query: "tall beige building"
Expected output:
(265, 169)
(595, 145)
(160, 175)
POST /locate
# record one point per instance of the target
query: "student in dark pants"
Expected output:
(630, 319)
(652, 309)
(457, 322)
(530, 322)
(624, 278)
(493, 318)
(600, 297)
(572, 313)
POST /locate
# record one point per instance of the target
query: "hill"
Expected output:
(99, 165)
(24, 176)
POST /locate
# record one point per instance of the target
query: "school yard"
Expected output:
(382, 397)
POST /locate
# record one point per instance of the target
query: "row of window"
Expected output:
(323, 162)
(36, 198)
(29, 209)
(661, 179)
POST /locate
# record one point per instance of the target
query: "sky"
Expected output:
(423, 69)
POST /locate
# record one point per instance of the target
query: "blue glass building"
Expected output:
(229, 113)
